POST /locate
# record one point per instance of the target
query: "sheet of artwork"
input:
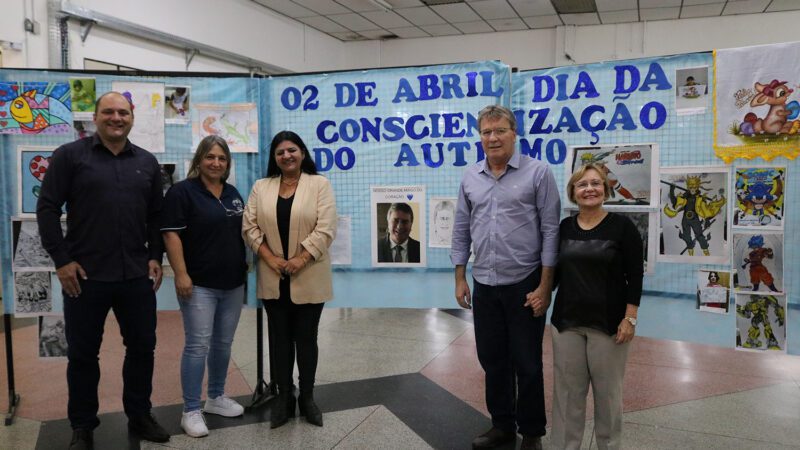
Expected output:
(647, 224)
(398, 226)
(631, 170)
(758, 261)
(761, 322)
(83, 98)
(759, 197)
(84, 128)
(32, 294)
(694, 215)
(52, 337)
(171, 173)
(26, 245)
(756, 101)
(148, 110)
(443, 213)
(691, 91)
(176, 104)
(32, 164)
(237, 123)
(713, 290)
(35, 108)
(341, 250)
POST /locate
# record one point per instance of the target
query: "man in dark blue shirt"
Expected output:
(110, 258)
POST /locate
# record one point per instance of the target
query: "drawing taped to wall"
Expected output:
(32, 294)
(52, 337)
(759, 197)
(148, 111)
(32, 164)
(694, 217)
(26, 246)
(758, 261)
(761, 322)
(237, 123)
(35, 108)
(713, 290)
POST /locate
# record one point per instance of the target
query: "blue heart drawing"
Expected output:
(409, 196)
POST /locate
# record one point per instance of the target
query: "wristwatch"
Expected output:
(631, 320)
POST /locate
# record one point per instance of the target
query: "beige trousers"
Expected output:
(582, 356)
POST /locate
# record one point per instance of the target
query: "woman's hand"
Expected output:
(295, 265)
(625, 332)
(277, 264)
(183, 285)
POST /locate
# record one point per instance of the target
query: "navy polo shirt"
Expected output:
(210, 231)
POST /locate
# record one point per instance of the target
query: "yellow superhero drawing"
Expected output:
(699, 212)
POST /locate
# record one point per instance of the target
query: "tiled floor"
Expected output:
(408, 379)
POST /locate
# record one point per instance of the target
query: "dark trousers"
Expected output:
(134, 305)
(294, 331)
(509, 344)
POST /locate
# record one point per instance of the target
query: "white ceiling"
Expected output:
(356, 20)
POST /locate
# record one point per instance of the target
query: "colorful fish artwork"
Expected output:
(35, 108)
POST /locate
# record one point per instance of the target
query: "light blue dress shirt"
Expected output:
(511, 221)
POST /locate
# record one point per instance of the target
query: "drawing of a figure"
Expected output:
(758, 272)
(777, 120)
(613, 180)
(52, 338)
(757, 310)
(699, 212)
(32, 292)
(759, 195)
(443, 215)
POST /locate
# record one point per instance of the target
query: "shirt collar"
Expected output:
(513, 162)
(404, 245)
(128, 146)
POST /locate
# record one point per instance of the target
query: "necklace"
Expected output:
(290, 182)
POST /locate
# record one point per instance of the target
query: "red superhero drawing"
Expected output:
(758, 272)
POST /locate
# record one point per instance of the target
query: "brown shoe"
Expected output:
(531, 443)
(494, 438)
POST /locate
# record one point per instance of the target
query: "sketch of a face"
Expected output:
(443, 217)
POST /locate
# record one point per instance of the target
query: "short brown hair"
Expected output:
(580, 172)
(497, 112)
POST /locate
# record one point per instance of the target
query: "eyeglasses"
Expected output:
(586, 184)
(497, 132)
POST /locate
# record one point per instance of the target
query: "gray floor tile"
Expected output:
(349, 356)
(295, 434)
(428, 325)
(768, 414)
(21, 434)
(637, 436)
(383, 430)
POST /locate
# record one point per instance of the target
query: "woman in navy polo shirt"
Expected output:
(202, 235)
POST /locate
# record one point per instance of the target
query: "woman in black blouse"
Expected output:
(600, 262)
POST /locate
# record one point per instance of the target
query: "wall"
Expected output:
(246, 28)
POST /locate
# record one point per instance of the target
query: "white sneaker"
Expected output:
(194, 424)
(223, 406)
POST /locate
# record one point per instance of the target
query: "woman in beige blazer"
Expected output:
(290, 221)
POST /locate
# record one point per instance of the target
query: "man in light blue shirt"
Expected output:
(508, 210)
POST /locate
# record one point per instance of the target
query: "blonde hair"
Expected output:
(580, 172)
(205, 146)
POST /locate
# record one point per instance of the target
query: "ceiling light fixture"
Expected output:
(382, 4)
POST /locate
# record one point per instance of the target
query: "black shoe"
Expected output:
(82, 440)
(283, 408)
(531, 443)
(494, 438)
(145, 427)
(309, 409)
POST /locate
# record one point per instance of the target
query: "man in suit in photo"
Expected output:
(398, 246)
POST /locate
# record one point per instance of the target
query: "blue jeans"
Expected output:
(210, 318)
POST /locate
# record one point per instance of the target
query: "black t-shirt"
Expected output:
(599, 273)
(211, 232)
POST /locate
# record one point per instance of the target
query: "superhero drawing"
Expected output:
(629, 168)
(759, 197)
(35, 108)
(761, 322)
(758, 260)
(693, 215)
(713, 290)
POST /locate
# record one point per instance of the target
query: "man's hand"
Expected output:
(183, 285)
(463, 296)
(539, 300)
(155, 273)
(68, 276)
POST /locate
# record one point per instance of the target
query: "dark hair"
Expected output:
(401, 207)
(714, 273)
(203, 148)
(307, 166)
(99, 99)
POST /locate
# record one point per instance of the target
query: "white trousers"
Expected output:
(582, 356)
